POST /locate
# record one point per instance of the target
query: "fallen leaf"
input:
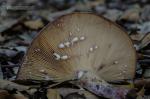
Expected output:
(8, 52)
(147, 73)
(2, 38)
(18, 95)
(128, 86)
(53, 94)
(1, 73)
(113, 14)
(34, 24)
(145, 15)
(75, 96)
(144, 27)
(141, 92)
(7, 23)
(21, 48)
(26, 37)
(145, 41)
(137, 36)
(66, 91)
(132, 14)
(3, 94)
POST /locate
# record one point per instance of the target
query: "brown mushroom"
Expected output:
(79, 43)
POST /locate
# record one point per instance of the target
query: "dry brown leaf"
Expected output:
(88, 5)
(132, 14)
(141, 92)
(137, 36)
(147, 73)
(66, 91)
(2, 38)
(34, 24)
(96, 2)
(113, 14)
(145, 41)
(7, 85)
(142, 82)
(145, 15)
(3, 94)
(18, 95)
(53, 94)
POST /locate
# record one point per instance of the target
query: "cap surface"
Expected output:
(80, 41)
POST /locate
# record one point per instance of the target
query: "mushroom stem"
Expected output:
(101, 88)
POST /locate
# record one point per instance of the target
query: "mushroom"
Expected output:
(112, 56)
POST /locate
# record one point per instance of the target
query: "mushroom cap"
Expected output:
(79, 41)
